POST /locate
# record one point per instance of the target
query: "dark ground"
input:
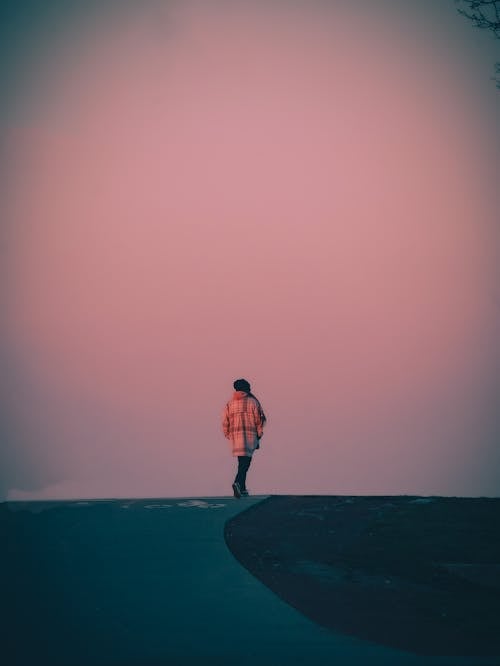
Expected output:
(402, 581)
(417, 574)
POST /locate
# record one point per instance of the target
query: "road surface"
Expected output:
(152, 583)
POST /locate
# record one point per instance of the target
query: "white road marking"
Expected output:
(200, 504)
(189, 504)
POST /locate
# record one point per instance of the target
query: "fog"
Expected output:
(302, 194)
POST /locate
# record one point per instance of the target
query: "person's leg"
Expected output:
(241, 476)
(246, 465)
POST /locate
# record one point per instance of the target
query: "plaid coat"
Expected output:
(243, 423)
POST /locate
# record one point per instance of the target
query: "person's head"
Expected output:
(241, 385)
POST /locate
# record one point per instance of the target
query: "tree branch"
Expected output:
(484, 14)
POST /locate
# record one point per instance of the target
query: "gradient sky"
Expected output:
(300, 193)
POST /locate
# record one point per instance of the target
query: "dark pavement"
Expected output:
(150, 583)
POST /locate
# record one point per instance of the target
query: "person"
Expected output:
(243, 423)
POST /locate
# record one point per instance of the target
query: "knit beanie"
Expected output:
(241, 385)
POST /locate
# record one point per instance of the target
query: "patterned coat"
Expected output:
(243, 423)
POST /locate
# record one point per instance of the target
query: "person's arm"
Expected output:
(258, 420)
(225, 422)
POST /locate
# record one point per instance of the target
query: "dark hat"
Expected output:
(241, 385)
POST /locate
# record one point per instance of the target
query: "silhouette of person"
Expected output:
(243, 422)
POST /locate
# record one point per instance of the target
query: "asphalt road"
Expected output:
(150, 583)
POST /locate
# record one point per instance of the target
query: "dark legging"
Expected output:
(243, 465)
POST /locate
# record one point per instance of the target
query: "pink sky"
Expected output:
(302, 198)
